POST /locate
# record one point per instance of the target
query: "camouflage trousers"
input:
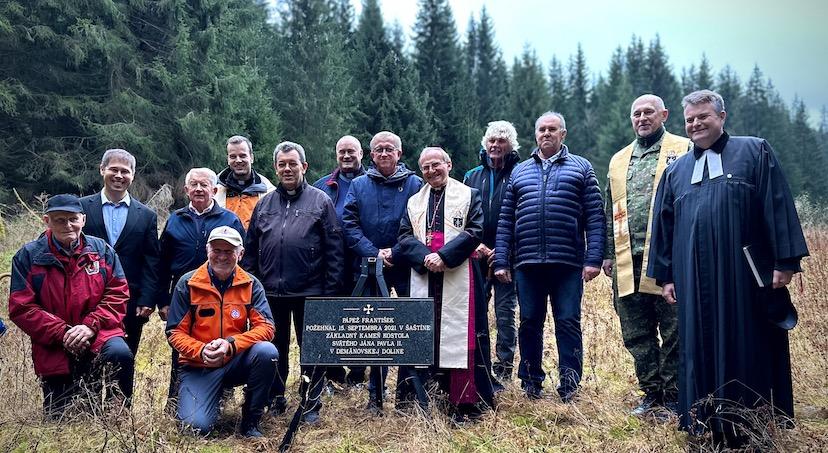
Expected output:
(649, 327)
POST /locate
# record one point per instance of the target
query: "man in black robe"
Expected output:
(439, 233)
(727, 194)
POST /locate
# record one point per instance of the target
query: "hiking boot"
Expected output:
(278, 406)
(311, 417)
(533, 391)
(497, 386)
(374, 407)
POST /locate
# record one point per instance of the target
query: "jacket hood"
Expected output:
(401, 174)
(259, 185)
(510, 160)
(332, 178)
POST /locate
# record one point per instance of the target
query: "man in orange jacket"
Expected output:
(221, 325)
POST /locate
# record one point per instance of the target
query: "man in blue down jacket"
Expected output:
(374, 206)
(551, 229)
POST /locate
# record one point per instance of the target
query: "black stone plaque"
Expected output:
(368, 331)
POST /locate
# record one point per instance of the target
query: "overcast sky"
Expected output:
(788, 39)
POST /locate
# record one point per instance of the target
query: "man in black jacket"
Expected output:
(497, 159)
(130, 227)
(294, 245)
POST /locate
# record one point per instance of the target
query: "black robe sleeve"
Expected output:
(660, 261)
(411, 251)
(459, 249)
(782, 227)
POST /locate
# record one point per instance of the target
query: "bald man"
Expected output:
(634, 174)
(336, 185)
(348, 167)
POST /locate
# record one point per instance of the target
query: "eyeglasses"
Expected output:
(387, 150)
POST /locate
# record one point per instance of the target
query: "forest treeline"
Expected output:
(170, 80)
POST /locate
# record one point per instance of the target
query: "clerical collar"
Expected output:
(349, 175)
(243, 184)
(652, 139)
(710, 158)
(717, 146)
(293, 193)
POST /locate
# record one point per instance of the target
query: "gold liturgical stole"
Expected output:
(672, 147)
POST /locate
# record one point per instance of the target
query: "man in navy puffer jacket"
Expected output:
(551, 230)
(374, 207)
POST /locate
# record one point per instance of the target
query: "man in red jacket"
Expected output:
(221, 325)
(69, 294)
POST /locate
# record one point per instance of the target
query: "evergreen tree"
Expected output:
(158, 80)
(729, 87)
(689, 76)
(613, 100)
(580, 135)
(529, 97)
(310, 80)
(704, 79)
(557, 87)
(637, 71)
(661, 81)
(491, 77)
(805, 147)
(389, 92)
(437, 58)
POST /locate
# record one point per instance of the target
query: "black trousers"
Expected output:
(287, 311)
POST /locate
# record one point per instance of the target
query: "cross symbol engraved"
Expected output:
(368, 309)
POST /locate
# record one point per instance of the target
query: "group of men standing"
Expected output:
(232, 269)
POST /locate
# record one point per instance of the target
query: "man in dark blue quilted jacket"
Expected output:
(551, 231)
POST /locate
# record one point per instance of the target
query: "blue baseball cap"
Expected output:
(64, 202)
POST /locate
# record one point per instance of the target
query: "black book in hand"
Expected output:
(761, 264)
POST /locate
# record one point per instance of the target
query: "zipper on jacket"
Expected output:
(543, 212)
(281, 247)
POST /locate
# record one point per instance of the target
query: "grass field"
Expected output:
(598, 421)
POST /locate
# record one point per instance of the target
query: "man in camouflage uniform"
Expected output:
(634, 174)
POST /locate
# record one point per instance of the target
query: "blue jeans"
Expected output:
(563, 285)
(200, 389)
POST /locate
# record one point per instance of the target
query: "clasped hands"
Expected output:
(78, 339)
(214, 352)
(434, 263)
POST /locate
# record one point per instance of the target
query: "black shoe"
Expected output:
(311, 417)
(648, 403)
(497, 386)
(355, 379)
(569, 397)
(533, 391)
(251, 432)
(374, 407)
(278, 406)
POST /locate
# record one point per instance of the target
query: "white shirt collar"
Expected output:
(205, 211)
(105, 200)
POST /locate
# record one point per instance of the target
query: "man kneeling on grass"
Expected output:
(221, 325)
(69, 294)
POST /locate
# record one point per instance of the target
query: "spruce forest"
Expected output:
(170, 80)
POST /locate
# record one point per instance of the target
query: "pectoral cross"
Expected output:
(428, 239)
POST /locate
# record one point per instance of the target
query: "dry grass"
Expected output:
(598, 421)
